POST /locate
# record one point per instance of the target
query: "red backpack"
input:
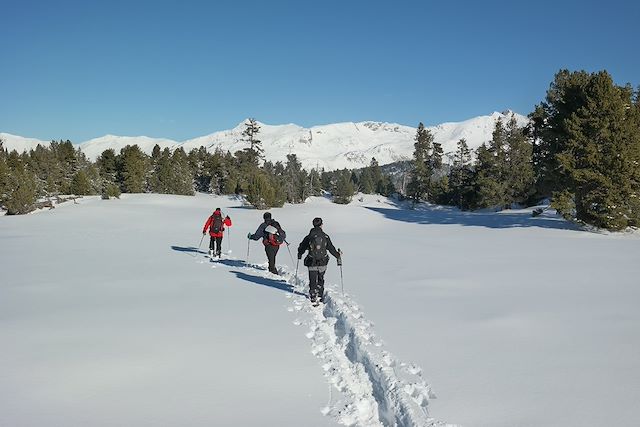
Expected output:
(273, 236)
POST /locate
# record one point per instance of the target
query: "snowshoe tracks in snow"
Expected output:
(373, 388)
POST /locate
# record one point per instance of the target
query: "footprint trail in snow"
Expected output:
(368, 386)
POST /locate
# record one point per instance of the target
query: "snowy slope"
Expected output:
(94, 147)
(20, 143)
(333, 146)
(120, 320)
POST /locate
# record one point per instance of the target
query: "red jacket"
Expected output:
(226, 221)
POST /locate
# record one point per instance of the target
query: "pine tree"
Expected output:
(590, 147)
(460, 176)
(537, 122)
(228, 176)
(20, 192)
(199, 159)
(110, 190)
(250, 135)
(438, 183)
(43, 164)
(435, 159)
(380, 182)
(418, 187)
(80, 184)
(490, 178)
(66, 157)
(107, 165)
(519, 174)
(4, 174)
(294, 180)
(132, 169)
(246, 165)
(488, 190)
(155, 154)
(314, 183)
(344, 188)
(181, 176)
(263, 192)
(161, 175)
(328, 181)
(366, 184)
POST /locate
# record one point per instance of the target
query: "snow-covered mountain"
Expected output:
(332, 146)
(19, 143)
(96, 146)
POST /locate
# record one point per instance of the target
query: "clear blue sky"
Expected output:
(181, 69)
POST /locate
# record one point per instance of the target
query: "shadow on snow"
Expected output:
(236, 263)
(195, 251)
(188, 249)
(452, 216)
(265, 281)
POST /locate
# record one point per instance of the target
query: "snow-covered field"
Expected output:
(110, 316)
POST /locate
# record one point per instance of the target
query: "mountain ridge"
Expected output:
(331, 146)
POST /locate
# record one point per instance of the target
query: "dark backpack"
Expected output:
(216, 225)
(318, 246)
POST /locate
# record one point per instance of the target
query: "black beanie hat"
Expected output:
(317, 222)
(267, 215)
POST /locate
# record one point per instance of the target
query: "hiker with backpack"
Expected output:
(272, 236)
(318, 243)
(215, 225)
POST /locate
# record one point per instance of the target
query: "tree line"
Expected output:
(60, 168)
(581, 151)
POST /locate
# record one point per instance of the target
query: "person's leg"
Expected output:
(320, 285)
(275, 252)
(271, 256)
(267, 250)
(313, 285)
(218, 246)
(212, 242)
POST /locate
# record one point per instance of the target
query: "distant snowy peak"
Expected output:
(94, 147)
(332, 146)
(19, 143)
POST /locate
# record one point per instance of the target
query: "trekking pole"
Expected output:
(228, 240)
(297, 263)
(200, 244)
(290, 256)
(247, 261)
(341, 278)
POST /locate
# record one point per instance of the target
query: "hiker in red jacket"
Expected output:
(215, 224)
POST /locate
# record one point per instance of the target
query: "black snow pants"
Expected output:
(316, 283)
(271, 256)
(215, 244)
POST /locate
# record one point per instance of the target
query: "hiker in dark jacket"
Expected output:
(215, 225)
(272, 236)
(317, 243)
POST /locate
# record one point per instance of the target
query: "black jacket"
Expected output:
(304, 246)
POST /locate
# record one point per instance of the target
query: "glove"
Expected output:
(204, 232)
(249, 235)
(299, 256)
(339, 261)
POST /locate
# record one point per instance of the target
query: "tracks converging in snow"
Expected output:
(368, 386)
